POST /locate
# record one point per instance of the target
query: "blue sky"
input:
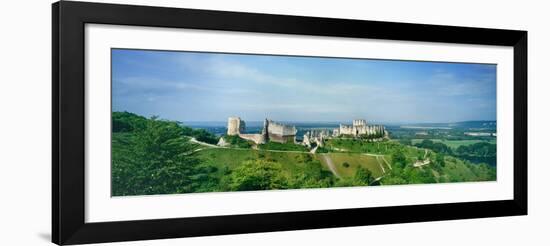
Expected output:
(191, 86)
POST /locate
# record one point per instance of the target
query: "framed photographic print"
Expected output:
(175, 122)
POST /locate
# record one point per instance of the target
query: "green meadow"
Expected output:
(153, 156)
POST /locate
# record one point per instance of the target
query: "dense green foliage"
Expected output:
(440, 170)
(481, 152)
(453, 144)
(257, 175)
(152, 161)
(127, 122)
(201, 135)
(435, 146)
(312, 175)
(130, 122)
(149, 156)
(478, 152)
(361, 177)
(399, 159)
(409, 175)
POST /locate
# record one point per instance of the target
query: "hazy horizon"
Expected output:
(326, 122)
(209, 87)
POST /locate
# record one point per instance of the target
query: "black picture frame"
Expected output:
(68, 123)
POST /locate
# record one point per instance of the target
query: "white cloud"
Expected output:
(448, 84)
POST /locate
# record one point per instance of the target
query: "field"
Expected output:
(455, 143)
(353, 161)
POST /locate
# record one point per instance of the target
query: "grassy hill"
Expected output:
(153, 156)
(299, 170)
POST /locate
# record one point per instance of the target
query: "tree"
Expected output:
(311, 176)
(440, 160)
(398, 158)
(435, 146)
(405, 141)
(420, 157)
(127, 122)
(205, 136)
(362, 177)
(153, 161)
(257, 175)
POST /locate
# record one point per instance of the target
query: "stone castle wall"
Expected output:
(280, 133)
(282, 139)
(359, 127)
(359, 123)
(281, 129)
(346, 130)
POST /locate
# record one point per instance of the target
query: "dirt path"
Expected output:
(380, 164)
(375, 155)
(424, 162)
(383, 159)
(314, 149)
(330, 165)
(194, 140)
(376, 180)
(387, 163)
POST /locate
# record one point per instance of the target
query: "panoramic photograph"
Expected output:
(193, 122)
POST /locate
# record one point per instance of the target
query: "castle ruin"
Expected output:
(235, 126)
(271, 131)
(359, 128)
(315, 137)
(281, 133)
(278, 132)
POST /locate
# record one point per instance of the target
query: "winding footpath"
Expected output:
(330, 165)
(194, 140)
(380, 164)
(383, 159)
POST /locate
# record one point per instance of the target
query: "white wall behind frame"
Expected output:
(25, 125)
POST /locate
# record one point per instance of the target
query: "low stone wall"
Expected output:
(256, 138)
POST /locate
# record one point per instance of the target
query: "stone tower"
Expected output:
(235, 126)
(265, 131)
(359, 123)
